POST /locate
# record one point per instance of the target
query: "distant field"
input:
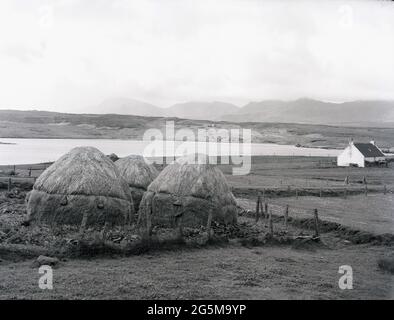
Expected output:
(304, 172)
(273, 172)
(34, 124)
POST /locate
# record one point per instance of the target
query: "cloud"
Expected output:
(68, 55)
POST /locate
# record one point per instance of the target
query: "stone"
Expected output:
(44, 260)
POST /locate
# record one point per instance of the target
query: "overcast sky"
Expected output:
(69, 55)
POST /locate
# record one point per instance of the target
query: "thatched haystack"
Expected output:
(138, 174)
(188, 192)
(82, 183)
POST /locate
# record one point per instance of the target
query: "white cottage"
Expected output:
(360, 154)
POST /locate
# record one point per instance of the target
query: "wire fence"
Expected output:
(360, 220)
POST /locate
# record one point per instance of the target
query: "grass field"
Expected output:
(231, 272)
(239, 269)
(304, 172)
(373, 213)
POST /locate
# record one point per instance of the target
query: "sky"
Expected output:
(70, 55)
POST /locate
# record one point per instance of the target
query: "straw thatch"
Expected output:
(138, 174)
(188, 192)
(83, 182)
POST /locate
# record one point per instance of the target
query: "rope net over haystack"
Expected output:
(82, 185)
(138, 174)
(186, 193)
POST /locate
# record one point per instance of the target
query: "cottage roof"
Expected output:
(369, 150)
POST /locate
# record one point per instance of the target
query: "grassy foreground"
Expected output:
(232, 272)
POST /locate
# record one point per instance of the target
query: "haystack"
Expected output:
(83, 183)
(188, 192)
(138, 174)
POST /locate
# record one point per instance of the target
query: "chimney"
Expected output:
(372, 142)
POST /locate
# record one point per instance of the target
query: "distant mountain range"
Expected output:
(357, 113)
(202, 110)
(190, 110)
(316, 112)
(129, 106)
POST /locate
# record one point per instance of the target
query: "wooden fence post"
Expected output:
(83, 223)
(179, 228)
(271, 227)
(178, 218)
(258, 207)
(148, 212)
(266, 210)
(286, 215)
(104, 231)
(209, 223)
(9, 184)
(317, 233)
(366, 190)
(29, 172)
(262, 215)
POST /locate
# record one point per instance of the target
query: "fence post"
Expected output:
(263, 194)
(266, 210)
(366, 190)
(179, 227)
(29, 172)
(317, 233)
(286, 215)
(178, 218)
(261, 209)
(270, 223)
(209, 223)
(9, 184)
(83, 223)
(104, 231)
(345, 193)
(258, 207)
(148, 212)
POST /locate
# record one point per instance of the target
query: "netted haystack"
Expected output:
(138, 174)
(82, 183)
(188, 192)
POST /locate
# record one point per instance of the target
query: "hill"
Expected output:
(43, 124)
(317, 112)
(202, 110)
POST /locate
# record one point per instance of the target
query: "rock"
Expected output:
(44, 260)
(25, 223)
